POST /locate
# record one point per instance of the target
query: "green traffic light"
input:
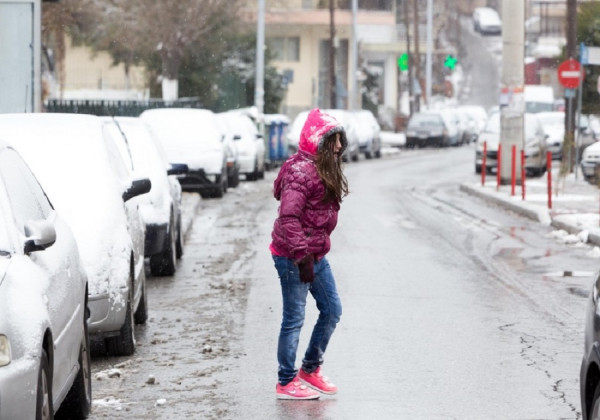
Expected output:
(403, 61)
(450, 62)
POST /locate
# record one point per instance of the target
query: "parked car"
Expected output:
(589, 374)
(192, 136)
(553, 124)
(538, 98)
(431, 128)
(231, 151)
(293, 135)
(248, 142)
(78, 164)
(161, 207)
(44, 345)
(369, 133)
(486, 21)
(534, 142)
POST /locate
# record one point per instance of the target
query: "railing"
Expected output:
(104, 107)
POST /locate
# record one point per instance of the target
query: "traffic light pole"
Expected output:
(410, 84)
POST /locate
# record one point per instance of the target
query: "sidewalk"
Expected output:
(575, 203)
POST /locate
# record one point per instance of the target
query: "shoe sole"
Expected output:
(291, 397)
(311, 386)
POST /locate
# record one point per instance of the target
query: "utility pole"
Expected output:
(259, 90)
(570, 107)
(410, 61)
(512, 117)
(429, 52)
(354, 69)
(417, 74)
(332, 81)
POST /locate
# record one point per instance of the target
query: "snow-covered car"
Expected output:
(431, 128)
(232, 152)
(193, 137)
(553, 123)
(590, 161)
(369, 133)
(161, 207)
(248, 142)
(78, 164)
(44, 345)
(293, 134)
(534, 141)
(477, 118)
(487, 21)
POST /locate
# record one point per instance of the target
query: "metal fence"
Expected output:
(126, 108)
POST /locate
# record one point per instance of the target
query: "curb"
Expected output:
(539, 215)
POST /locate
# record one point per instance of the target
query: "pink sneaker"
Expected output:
(294, 390)
(317, 381)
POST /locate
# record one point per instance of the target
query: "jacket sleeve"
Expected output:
(294, 196)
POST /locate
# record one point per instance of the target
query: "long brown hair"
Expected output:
(330, 171)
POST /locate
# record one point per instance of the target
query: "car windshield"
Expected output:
(534, 107)
(425, 120)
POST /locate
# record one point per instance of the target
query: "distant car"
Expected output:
(161, 207)
(590, 161)
(248, 142)
(553, 124)
(192, 136)
(538, 98)
(369, 133)
(431, 128)
(476, 117)
(78, 164)
(534, 139)
(44, 345)
(231, 151)
(589, 374)
(486, 21)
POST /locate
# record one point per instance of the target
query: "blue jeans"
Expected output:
(294, 294)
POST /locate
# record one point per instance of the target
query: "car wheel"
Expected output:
(163, 264)
(124, 343)
(234, 180)
(141, 313)
(44, 410)
(78, 402)
(477, 169)
(595, 404)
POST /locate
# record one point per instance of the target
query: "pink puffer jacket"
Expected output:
(304, 221)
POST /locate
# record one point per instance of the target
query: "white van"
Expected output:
(538, 98)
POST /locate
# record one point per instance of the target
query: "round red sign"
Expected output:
(569, 73)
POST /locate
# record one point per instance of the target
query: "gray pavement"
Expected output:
(574, 206)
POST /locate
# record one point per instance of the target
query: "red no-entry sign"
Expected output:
(569, 73)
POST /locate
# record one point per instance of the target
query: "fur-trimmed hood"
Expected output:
(317, 127)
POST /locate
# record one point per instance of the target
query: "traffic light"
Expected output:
(450, 62)
(403, 62)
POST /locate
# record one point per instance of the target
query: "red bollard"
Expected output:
(498, 165)
(513, 169)
(523, 173)
(549, 172)
(483, 163)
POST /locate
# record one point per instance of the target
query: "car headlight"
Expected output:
(4, 350)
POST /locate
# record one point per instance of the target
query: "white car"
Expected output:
(293, 135)
(44, 345)
(193, 137)
(248, 142)
(80, 167)
(487, 21)
(553, 123)
(344, 117)
(535, 145)
(369, 133)
(161, 207)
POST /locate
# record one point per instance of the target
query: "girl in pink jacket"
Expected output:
(310, 187)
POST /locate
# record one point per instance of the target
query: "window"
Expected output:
(27, 198)
(285, 49)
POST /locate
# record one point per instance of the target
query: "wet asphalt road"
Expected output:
(453, 309)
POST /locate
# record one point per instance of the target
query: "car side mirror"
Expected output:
(259, 136)
(237, 137)
(138, 187)
(39, 235)
(178, 169)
